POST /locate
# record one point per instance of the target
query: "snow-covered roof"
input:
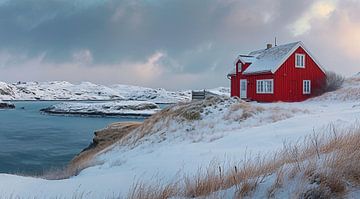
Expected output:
(244, 59)
(247, 58)
(268, 60)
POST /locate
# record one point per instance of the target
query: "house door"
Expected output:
(243, 88)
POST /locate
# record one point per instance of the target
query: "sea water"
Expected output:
(32, 142)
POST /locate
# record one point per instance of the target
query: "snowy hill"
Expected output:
(350, 91)
(189, 138)
(61, 90)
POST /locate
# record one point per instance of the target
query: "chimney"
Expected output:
(268, 46)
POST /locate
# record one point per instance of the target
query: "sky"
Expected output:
(173, 44)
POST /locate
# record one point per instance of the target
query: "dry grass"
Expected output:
(246, 111)
(154, 191)
(350, 91)
(183, 112)
(331, 161)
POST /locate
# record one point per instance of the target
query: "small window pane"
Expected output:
(307, 87)
(300, 60)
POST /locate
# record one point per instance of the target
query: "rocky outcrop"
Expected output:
(113, 108)
(6, 105)
(102, 139)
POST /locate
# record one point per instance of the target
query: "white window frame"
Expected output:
(301, 63)
(239, 66)
(263, 87)
(306, 87)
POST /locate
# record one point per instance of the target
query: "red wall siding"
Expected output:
(263, 97)
(235, 91)
(288, 81)
(235, 79)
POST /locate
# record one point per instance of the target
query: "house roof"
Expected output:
(270, 60)
(267, 60)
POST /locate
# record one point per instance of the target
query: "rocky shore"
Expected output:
(6, 105)
(102, 139)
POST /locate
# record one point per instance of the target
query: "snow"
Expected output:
(227, 129)
(268, 60)
(223, 91)
(158, 95)
(6, 105)
(247, 58)
(62, 90)
(124, 108)
(350, 91)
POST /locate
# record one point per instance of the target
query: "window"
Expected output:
(306, 87)
(299, 60)
(239, 67)
(265, 86)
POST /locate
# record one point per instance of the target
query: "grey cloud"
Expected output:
(198, 37)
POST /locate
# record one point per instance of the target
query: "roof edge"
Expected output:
(257, 72)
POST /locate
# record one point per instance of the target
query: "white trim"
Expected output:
(303, 57)
(300, 44)
(305, 91)
(263, 89)
(239, 58)
(239, 67)
(243, 95)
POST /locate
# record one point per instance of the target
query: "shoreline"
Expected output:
(124, 115)
(65, 100)
(102, 139)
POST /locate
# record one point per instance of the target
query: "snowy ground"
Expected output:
(122, 108)
(226, 130)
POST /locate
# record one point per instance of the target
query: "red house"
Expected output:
(288, 73)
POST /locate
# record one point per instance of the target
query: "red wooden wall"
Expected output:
(288, 81)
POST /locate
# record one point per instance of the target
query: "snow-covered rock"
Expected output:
(62, 90)
(6, 105)
(121, 108)
(158, 95)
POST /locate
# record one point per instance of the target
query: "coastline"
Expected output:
(102, 139)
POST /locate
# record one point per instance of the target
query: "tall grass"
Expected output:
(330, 160)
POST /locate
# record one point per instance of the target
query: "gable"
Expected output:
(301, 45)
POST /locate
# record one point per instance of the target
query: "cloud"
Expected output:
(83, 56)
(319, 10)
(173, 44)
